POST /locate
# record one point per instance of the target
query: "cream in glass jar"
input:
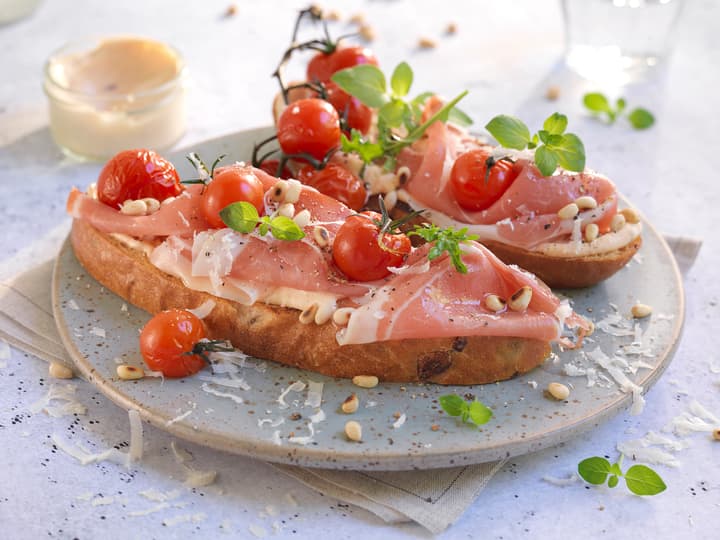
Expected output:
(116, 93)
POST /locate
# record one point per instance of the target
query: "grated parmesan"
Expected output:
(64, 394)
(207, 388)
(562, 482)
(204, 309)
(400, 421)
(297, 386)
(314, 396)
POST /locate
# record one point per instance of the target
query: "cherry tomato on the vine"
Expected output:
(337, 182)
(137, 174)
(357, 115)
(270, 166)
(229, 185)
(473, 188)
(323, 65)
(310, 126)
(358, 253)
(166, 340)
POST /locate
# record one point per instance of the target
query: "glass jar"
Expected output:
(116, 93)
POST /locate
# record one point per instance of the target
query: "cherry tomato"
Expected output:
(230, 185)
(136, 174)
(270, 166)
(357, 115)
(337, 182)
(358, 254)
(167, 338)
(310, 126)
(323, 65)
(472, 190)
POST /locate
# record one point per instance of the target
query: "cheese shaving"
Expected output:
(297, 386)
(97, 331)
(72, 304)
(179, 418)
(276, 438)
(187, 518)
(698, 418)
(314, 396)
(306, 439)
(204, 309)
(64, 394)
(562, 482)
(229, 383)
(655, 455)
(257, 531)
(195, 478)
(273, 423)
(153, 509)
(158, 496)
(102, 501)
(207, 388)
(319, 416)
(135, 452)
(400, 421)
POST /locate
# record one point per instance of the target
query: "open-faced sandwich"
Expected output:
(295, 276)
(531, 200)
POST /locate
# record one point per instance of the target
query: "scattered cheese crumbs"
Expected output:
(318, 417)
(370, 404)
(186, 518)
(639, 451)
(158, 496)
(314, 396)
(97, 331)
(72, 304)
(270, 421)
(204, 309)
(297, 386)
(124, 308)
(86, 458)
(533, 384)
(276, 438)
(85, 496)
(257, 531)
(153, 509)
(306, 439)
(64, 393)
(400, 421)
(714, 368)
(195, 478)
(220, 381)
(179, 418)
(102, 501)
(135, 452)
(207, 388)
(698, 418)
(562, 482)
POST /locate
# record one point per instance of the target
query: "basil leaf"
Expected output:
(642, 480)
(452, 404)
(480, 413)
(620, 105)
(366, 82)
(594, 470)
(641, 118)
(415, 134)
(367, 150)
(393, 113)
(543, 135)
(240, 216)
(597, 102)
(460, 118)
(571, 153)
(401, 80)
(509, 131)
(556, 124)
(284, 228)
(546, 160)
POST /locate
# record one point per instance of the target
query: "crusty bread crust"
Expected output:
(276, 333)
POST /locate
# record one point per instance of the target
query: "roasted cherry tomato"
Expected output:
(310, 126)
(230, 185)
(167, 341)
(323, 65)
(270, 166)
(358, 253)
(473, 188)
(137, 174)
(337, 182)
(357, 115)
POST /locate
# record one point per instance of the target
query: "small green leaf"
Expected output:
(543, 135)
(620, 105)
(284, 228)
(480, 413)
(401, 80)
(367, 150)
(240, 216)
(460, 118)
(452, 404)
(597, 102)
(509, 131)
(571, 153)
(393, 113)
(641, 118)
(594, 470)
(613, 481)
(615, 469)
(556, 124)
(546, 160)
(264, 227)
(366, 82)
(642, 480)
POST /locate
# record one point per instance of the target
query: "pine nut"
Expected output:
(451, 28)
(494, 303)
(59, 370)
(308, 314)
(586, 202)
(591, 232)
(568, 211)
(631, 215)
(287, 210)
(390, 200)
(427, 43)
(617, 223)
(341, 317)
(353, 430)
(716, 434)
(321, 235)
(302, 218)
(134, 208)
(351, 404)
(365, 381)
(552, 93)
(521, 299)
(640, 311)
(558, 390)
(332, 15)
(358, 18)
(403, 174)
(153, 205)
(366, 32)
(130, 373)
(279, 191)
(292, 194)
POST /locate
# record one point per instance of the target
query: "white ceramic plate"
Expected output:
(524, 419)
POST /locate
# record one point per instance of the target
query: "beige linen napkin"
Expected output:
(433, 498)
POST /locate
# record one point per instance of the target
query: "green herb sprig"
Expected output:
(473, 412)
(395, 112)
(552, 145)
(243, 217)
(444, 240)
(600, 105)
(640, 479)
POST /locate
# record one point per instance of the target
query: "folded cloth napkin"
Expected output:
(434, 499)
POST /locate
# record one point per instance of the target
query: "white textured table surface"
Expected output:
(506, 54)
